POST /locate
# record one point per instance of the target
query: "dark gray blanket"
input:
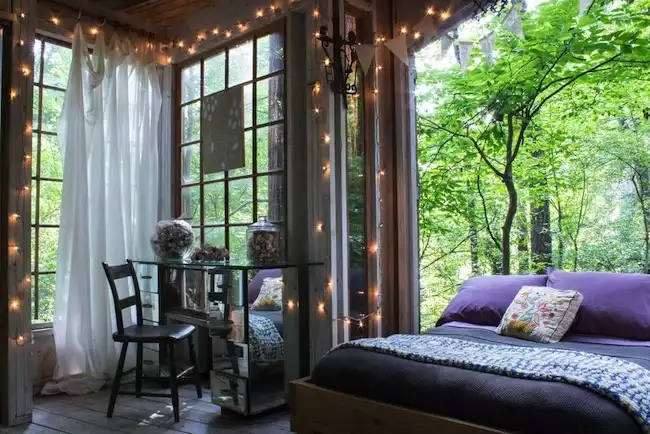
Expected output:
(511, 404)
(274, 315)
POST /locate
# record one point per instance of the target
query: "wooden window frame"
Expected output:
(227, 179)
(37, 179)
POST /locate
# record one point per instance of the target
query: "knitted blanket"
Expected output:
(625, 383)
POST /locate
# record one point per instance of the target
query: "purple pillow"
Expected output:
(256, 282)
(614, 304)
(483, 300)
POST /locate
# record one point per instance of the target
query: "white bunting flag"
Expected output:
(365, 54)
(584, 6)
(486, 44)
(399, 48)
(464, 54)
(445, 44)
(512, 21)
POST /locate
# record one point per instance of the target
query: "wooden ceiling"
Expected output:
(158, 12)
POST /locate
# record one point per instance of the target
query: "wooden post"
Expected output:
(17, 89)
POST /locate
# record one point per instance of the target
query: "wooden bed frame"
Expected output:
(315, 410)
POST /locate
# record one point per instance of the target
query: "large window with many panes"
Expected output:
(221, 205)
(51, 67)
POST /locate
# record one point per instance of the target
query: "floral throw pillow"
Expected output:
(270, 296)
(540, 313)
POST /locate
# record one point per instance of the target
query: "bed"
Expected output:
(374, 390)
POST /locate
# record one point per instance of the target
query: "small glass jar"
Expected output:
(263, 242)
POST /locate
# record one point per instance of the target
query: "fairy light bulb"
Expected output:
(55, 20)
(20, 340)
(375, 91)
(404, 30)
(25, 70)
(200, 36)
(22, 15)
(14, 305)
(444, 14)
(316, 34)
(372, 248)
(316, 88)
(93, 31)
(215, 31)
(319, 227)
(13, 94)
(417, 35)
(321, 307)
(15, 216)
(259, 13)
(26, 188)
(347, 321)
(378, 316)
(430, 11)
(361, 324)
(27, 157)
(381, 172)
(28, 279)
(191, 50)
(316, 13)
(228, 33)
(180, 44)
(242, 27)
(290, 304)
(21, 42)
(327, 138)
(326, 62)
(378, 68)
(273, 7)
(28, 129)
(316, 110)
(169, 60)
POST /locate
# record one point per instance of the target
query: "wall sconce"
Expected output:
(339, 64)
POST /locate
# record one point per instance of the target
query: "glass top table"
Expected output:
(234, 264)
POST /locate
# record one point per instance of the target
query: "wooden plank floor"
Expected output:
(87, 414)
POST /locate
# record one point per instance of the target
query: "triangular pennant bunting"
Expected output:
(399, 48)
(512, 21)
(464, 54)
(425, 27)
(584, 6)
(445, 44)
(486, 43)
(365, 54)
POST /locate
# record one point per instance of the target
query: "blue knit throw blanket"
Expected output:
(625, 383)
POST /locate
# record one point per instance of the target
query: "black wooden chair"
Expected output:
(140, 334)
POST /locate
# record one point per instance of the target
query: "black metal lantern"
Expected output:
(340, 63)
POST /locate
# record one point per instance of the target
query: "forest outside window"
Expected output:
(51, 67)
(220, 206)
(539, 159)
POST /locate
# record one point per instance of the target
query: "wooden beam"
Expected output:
(15, 292)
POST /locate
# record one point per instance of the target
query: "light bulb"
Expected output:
(417, 35)
(316, 110)
(13, 94)
(272, 7)
(20, 340)
(430, 10)
(215, 31)
(200, 36)
(444, 14)
(404, 30)
(180, 44)
(259, 13)
(372, 248)
(321, 307)
(55, 20)
(228, 33)
(326, 62)
(14, 305)
(25, 70)
(319, 227)
(290, 304)
(93, 31)
(327, 138)
(316, 13)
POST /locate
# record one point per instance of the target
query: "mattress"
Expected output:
(512, 404)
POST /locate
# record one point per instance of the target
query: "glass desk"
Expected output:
(214, 297)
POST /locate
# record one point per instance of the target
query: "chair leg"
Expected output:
(138, 371)
(117, 380)
(197, 374)
(173, 382)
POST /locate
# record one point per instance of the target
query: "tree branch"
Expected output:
(485, 213)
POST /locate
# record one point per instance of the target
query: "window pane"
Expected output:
(52, 105)
(240, 64)
(214, 203)
(51, 165)
(33, 249)
(270, 99)
(215, 73)
(240, 201)
(48, 243)
(270, 54)
(191, 122)
(37, 60)
(248, 106)
(34, 160)
(46, 284)
(36, 121)
(197, 236)
(248, 153)
(34, 192)
(191, 164)
(270, 197)
(237, 242)
(215, 236)
(191, 83)
(191, 206)
(56, 65)
(50, 202)
(270, 148)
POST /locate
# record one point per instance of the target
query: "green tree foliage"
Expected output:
(541, 159)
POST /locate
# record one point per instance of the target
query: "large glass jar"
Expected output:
(263, 242)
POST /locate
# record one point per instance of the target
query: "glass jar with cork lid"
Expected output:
(263, 242)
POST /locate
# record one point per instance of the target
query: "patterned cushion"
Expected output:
(270, 297)
(540, 314)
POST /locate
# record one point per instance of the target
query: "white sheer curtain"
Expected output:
(109, 140)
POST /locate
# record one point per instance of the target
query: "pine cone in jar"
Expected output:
(263, 246)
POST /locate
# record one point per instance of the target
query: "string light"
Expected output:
(26, 188)
(444, 14)
(200, 36)
(316, 34)
(28, 279)
(430, 11)
(376, 91)
(321, 307)
(93, 31)
(169, 59)
(27, 157)
(417, 35)
(25, 70)
(228, 33)
(55, 20)
(28, 128)
(22, 15)
(191, 50)
(347, 321)
(14, 305)
(13, 94)
(21, 42)
(326, 62)
(215, 31)
(290, 304)
(15, 216)
(259, 13)
(15, 249)
(316, 88)
(378, 68)
(360, 324)
(242, 27)
(378, 316)
(381, 172)
(319, 227)
(20, 340)
(327, 138)
(316, 110)
(180, 44)
(316, 13)
(372, 248)
(404, 30)
(272, 7)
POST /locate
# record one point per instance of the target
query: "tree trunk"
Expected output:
(275, 134)
(643, 193)
(540, 237)
(523, 254)
(510, 217)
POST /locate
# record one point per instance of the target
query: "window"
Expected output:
(51, 68)
(221, 205)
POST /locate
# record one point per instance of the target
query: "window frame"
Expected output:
(226, 179)
(36, 178)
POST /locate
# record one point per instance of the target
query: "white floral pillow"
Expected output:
(540, 313)
(270, 296)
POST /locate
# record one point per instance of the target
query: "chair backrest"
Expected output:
(118, 272)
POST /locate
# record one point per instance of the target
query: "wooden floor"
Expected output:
(87, 414)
